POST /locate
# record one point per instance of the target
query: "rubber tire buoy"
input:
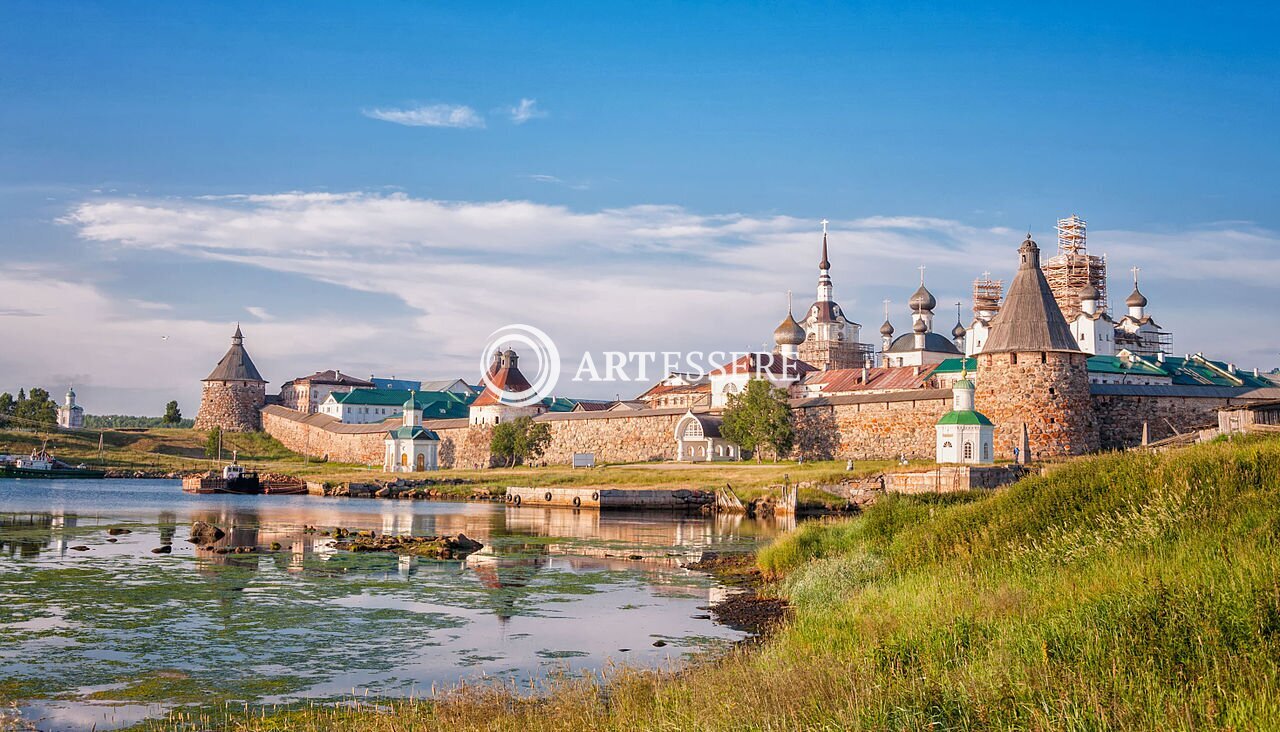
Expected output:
(516, 500)
(548, 496)
(577, 501)
(595, 496)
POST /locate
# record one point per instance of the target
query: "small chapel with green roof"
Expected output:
(965, 434)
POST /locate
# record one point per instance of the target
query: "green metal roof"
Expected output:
(413, 433)
(434, 404)
(957, 365)
(1114, 365)
(967, 416)
(561, 404)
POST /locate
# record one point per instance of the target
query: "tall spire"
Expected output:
(825, 264)
(238, 337)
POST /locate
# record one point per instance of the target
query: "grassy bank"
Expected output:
(1133, 591)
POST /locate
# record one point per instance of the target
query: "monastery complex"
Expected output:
(1042, 369)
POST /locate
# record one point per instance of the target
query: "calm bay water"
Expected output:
(113, 634)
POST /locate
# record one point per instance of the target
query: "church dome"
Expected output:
(788, 332)
(958, 331)
(886, 329)
(1137, 299)
(922, 300)
(1089, 292)
(920, 327)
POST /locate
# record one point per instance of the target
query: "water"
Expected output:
(115, 634)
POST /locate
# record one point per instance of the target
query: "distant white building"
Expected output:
(1094, 330)
(780, 371)
(70, 414)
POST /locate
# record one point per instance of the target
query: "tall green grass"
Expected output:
(1121, 592)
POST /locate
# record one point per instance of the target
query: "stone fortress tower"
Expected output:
(831, 339)
(1030, 371)
(233, 393)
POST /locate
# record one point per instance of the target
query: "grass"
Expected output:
(1121, 592)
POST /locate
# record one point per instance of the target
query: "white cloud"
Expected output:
(259, 313)
(431, 115)
(648, 277)
(526, 110)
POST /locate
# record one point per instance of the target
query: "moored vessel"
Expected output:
(40, 464)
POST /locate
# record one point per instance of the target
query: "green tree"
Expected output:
(213, 443)
(7, 403)
(172, 415)
(519, 441)
(759, 417)
(35, 408)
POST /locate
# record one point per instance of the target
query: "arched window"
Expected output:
(986, 451)
(422, 462)
(968, 451)
(730, 388)
(693, 430)
(947, 444)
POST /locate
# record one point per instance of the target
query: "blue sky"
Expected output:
(643, 176)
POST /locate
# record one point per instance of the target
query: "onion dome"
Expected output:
(922, 300)
(1137, 299)
(886, 330)
(958, 331)
(788, 333)
(825, 263)
(409, 403)
(920, 327)
(1089, 292)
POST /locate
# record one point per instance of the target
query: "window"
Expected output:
(986, 451)
(968, 451)
(947, 444)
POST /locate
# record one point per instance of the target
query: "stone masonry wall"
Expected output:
(888, 429)
(1121, 416)
(307, 435)
(231, 405)
(1046, 391)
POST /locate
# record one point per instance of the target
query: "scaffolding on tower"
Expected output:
(987, 294)
(1073, 267)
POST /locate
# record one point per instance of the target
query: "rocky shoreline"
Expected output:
(746, 610)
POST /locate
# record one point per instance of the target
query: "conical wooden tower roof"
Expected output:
(1030, 319)
(236, 364)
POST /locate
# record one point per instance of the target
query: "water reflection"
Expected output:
(551, 589)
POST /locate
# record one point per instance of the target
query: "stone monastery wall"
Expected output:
(870, 426)
(322, 436)
(1120, 416)
(861, 427)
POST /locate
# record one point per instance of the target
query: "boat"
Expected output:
(234, 479)
(40, 464)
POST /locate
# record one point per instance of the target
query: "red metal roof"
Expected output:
(884, 378)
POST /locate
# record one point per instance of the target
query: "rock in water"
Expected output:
(81, 548)
(116, 531)
(204, 534)
(430, 547)
(165, 549)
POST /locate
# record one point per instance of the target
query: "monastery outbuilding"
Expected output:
(411, 447)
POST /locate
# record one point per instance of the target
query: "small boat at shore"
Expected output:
(234, 479)
(40, 464)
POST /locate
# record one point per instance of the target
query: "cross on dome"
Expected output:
(824, 223)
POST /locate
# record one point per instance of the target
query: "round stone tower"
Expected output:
(234, 393)
(1030, 371)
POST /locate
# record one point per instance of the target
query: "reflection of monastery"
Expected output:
(1047, 357)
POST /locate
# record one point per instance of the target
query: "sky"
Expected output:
(376, 187)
